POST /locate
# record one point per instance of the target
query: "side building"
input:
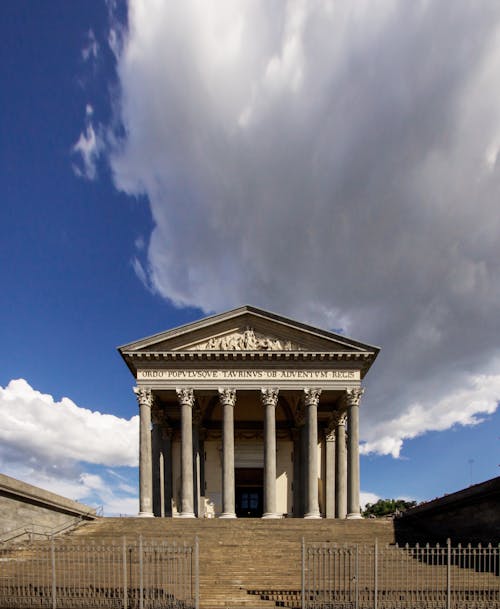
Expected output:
(249, 414)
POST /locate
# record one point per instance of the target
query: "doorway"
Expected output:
(249, 483)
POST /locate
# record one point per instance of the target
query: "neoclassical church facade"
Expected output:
(249, 414)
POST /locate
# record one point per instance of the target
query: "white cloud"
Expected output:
(87, 149)
(52, 430)
(367, 497)
(57, 445)
(335, 162)
(464, 406)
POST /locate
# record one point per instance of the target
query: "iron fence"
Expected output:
(114, 574)
(400, 577)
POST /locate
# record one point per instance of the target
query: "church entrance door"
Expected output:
(249, 492)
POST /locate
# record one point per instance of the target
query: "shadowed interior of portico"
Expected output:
(248, 425)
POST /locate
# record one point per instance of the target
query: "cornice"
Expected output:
(300, 356)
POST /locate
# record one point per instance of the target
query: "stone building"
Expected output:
(249, 414)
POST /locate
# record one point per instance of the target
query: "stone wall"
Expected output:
(24, 505)
(470, 515)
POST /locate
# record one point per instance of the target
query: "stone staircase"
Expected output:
(249, 562)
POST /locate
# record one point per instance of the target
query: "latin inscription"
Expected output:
(235, 375)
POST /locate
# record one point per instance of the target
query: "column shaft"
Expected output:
(297, 464)
(156, 468)
(330, 474)
(304, 469)
(196, 469)
(145, 400)
(162, 485)
(312, 400)
(186, 399)
(228, 398)
(340, 469)
(269, 401)
(167, 471)
(353, 399)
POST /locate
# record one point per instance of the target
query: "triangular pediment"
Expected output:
(247, 339)
(247, 329)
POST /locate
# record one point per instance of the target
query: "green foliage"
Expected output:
(386, 507)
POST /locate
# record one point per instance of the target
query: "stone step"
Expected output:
(236, 556)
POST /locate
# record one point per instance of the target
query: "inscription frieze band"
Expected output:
(158, 374)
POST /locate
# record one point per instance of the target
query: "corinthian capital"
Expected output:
(339, 418)
(269, 396)
(353, 396)
(311, 396)
(144, 396)
(330, 434)
(185, 397)
(227, 396)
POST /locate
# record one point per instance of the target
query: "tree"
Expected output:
(386, 507)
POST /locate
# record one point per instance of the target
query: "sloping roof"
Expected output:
(244, 313)
(245, 332)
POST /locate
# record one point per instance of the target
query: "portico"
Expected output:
(248, 413)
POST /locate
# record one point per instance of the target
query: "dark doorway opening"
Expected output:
(249, 492)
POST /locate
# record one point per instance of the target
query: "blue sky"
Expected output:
(327, 161)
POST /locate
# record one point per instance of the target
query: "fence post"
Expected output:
(196, 573)
(448, 575)
(53, 561)
(125, 590)
(356, 589)
(141, 576)
(375, 575)
(303, 576)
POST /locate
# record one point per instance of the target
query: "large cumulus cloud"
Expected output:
(334, 161)
(73, 451)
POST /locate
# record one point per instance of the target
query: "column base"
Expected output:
(271, 515)
(186, 515)
(146, 515)
(228, 515)
(311, 515)
(354, 516)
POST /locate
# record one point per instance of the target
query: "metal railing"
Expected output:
(30, 532)
(117, 574)
(390, 577)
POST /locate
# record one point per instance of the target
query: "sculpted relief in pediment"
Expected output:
(247, 340)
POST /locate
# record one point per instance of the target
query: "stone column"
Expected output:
(269, 398)
(340, 467)
(353, 397)
(166, 462)
(330, 472)
(196, 458)
(186, 400)
(297, 464)
(227, 398)
(304, 468)
(145, 399)
(296, 402)
(311, 399)
(156, 466)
